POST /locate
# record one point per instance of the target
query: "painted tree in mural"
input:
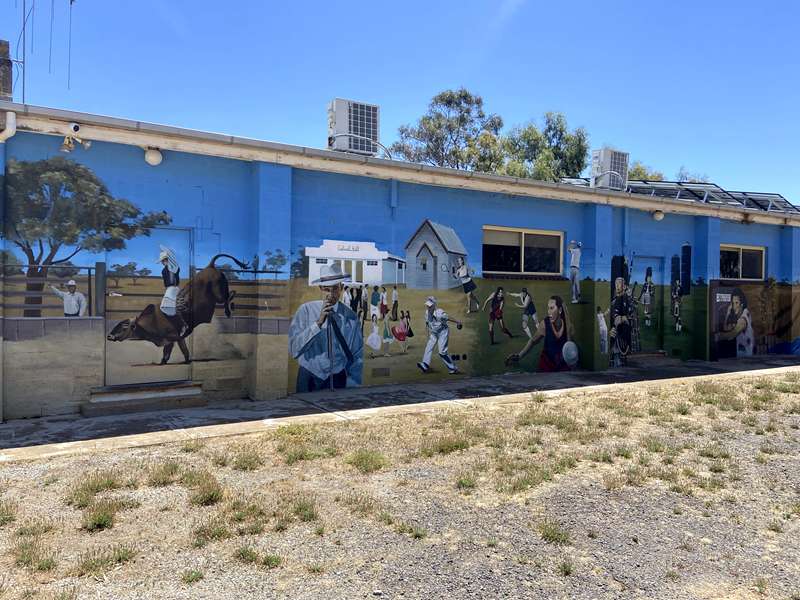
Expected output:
(119, 271)
(11, 264)
(449, 134)
(56, 208)
(143, 272)
(275, 261)
(65, 270)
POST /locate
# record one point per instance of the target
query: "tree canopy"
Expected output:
(549, 153)
(55, 208)
(457, 132)
(447, 135)
(638, 170)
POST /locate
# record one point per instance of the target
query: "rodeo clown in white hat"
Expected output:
(171, 274)
(436, 322)
(325, 337)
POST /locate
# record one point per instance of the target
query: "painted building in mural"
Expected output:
(243, 269)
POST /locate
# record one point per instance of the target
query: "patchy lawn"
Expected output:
(657, 490)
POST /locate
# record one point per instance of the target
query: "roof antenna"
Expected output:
(69, 48)
(50, 55)
(33, 18)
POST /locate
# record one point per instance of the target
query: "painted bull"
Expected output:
(196, 303)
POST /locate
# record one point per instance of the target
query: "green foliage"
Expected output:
(546, 154)
(191, 576)
(639, 170)
(57, 203)
(367, 461)
(455, 132)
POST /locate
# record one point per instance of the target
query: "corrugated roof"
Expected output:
(449, 238)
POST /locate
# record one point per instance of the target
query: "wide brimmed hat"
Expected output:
(330, 275)
(431, 301)
(169, 255)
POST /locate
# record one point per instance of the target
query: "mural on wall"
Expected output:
(558, 352)
(65, 224)
(733, 335)
(574, 250)
(57, 209)
(751, 318)
(646, 312)
(181, 309)
(391, 318)
(325, 337)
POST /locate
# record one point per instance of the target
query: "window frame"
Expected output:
(523, 231)
(739, 248)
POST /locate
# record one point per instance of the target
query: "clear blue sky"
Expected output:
(711, 85)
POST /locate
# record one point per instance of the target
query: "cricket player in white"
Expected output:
(574, 249)
(436, 321)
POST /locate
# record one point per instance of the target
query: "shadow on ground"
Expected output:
(48, 430)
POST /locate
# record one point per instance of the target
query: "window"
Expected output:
(424, 264)
(741, 262)
(372, 263)
(507, 250)
(322, 261)
(400, 266)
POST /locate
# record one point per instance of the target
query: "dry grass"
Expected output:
(290, 498)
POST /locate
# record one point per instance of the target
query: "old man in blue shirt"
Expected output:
(325, 337)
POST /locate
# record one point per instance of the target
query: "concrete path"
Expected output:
(53, 436)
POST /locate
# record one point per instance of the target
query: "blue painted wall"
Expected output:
(216, 196)
(358, 208)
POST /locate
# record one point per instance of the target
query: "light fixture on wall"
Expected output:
(658, 215)
(68, 145)
(153, 156)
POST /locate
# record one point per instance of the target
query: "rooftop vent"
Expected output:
(353, 127)
(609, 169)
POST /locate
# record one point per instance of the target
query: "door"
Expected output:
(133, 283)
(649, 301)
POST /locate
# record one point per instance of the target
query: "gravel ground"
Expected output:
(678, 491)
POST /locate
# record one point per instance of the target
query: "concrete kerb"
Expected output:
(47, 451)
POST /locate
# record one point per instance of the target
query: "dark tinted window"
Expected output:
(752, 264)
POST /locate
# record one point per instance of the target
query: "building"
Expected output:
(432, 254)
(361, 260)
(222, 201)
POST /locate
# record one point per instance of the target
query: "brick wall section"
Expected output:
(52, 363)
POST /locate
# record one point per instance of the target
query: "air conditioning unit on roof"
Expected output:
(353, 126)
(609, 169)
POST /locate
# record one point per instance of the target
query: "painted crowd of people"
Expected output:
(328, 336)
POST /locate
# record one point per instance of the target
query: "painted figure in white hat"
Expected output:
(436, 321)
(171, 274)
(325, 337)
(74, 301)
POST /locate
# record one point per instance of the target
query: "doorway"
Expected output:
(133, 283)
(649, 301)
